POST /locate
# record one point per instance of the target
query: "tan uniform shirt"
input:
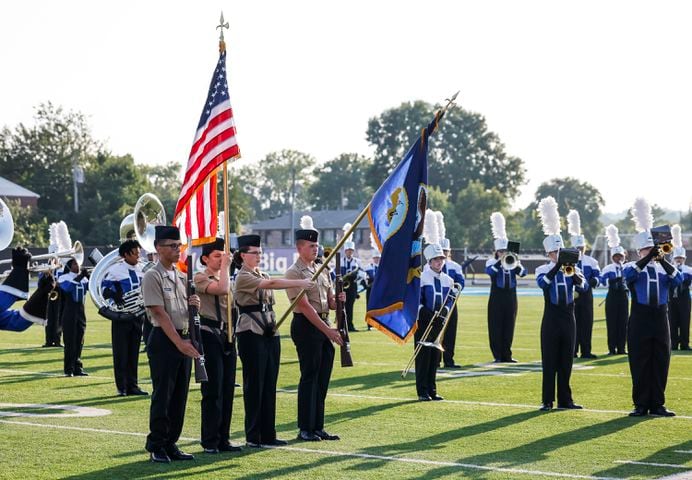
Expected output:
(167, 288)
(208, 305)
(317, 296)
(247, 293)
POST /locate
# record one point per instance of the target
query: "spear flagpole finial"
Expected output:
(222, 24)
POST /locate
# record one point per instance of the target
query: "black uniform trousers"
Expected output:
(217, 393)
(351, 294)
(502, 318)
(54, 321)
(146, 331)
(648, 347)
(367, 301)
(74, 326)
(679, 316)
(428, 358)
(583, 312)
(449, 340)
(260, 356)
(170, 377)
(316, 358)
(616, 310)
(557, 347)
(125, 338)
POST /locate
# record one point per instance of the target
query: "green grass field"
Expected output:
(488, 428)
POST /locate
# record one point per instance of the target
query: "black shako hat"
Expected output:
(307, 230)
(249, 241)
(166, 232)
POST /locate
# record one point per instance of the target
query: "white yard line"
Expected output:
(683, 451)
(677, 476)
(650, 464)
(334, 453)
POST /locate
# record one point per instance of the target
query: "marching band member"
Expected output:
(312, 335)
(53, 313)
(213, 287)
(16, 287)
(122, 278)
(679, 305)
(454, 270)
(558, 324)
(502, 302)
(351, 267)
(371, 270)
(648, 334)
(616, 303)
(74, 284)
(169, 349)
(435, 286)
(583, 303)
(258, 344)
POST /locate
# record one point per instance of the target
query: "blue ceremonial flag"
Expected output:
(396, 214)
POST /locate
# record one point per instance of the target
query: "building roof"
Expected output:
(322, 219)
(10, 189)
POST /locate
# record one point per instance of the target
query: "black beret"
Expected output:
(249, 241)
(217, 244)
(166, 232)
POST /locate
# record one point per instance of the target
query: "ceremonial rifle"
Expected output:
(341, 321)
(194, 327)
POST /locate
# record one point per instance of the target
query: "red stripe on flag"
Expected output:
(212, 123)
(213, 218)
(201, 221)
(204, 154)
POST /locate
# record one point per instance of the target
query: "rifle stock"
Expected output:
(341, 323)
(194, 328)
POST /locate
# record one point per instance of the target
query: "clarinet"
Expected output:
(194, 327)
(341, 321)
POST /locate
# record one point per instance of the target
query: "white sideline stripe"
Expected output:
(335, 453)
(682, 451)
(649, 464)
(677, 476)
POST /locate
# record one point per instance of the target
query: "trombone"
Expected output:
(455, 292)
(77, 251)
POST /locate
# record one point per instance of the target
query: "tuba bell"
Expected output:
(149, 213)
(6, 226)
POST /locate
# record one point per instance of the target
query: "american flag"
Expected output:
(215, 142)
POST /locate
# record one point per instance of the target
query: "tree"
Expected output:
(165, 182)
(462, 150)
(626, 225)
(30, 227)
(341, 183)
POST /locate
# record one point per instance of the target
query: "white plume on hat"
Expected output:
(441, 229)
(676, 232)
(53, 238)
(612, 235)
(573, 223)
(641, 215)
(430, 231)
(550, 218)
(306, 223)
(346, 228)
(62, 237)
(497, 225)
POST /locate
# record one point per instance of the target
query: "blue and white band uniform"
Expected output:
(434, 289)
(651, 284)
(561, 288)
(611, 273)
(75, 290)
(454, 270)
(506, 279)
(590, 269)
(129, 277)
(371, 271)
(349, 265)
(12, 320)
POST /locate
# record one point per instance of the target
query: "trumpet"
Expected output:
(568, 270)
(509, 260)
(455, 291)
(665, 248)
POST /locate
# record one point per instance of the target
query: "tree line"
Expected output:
(470, 176)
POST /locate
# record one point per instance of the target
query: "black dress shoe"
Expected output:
(611, 352)
(453, 366)
(306, 436)
(638, 412)
(253, 445)
(277, 443)
(436, 397)
(588, 355)
(175, 453)
(136, 391)
(81, 373)
(326, 436)
(570, 406)
(511, 360)
(546, 407)
(661, 412)
(229, 448)
(69, 374)
(212, 451)
(159, 456)
(122, 393)
(424, 398)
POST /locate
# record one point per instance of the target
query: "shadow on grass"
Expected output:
(666, 455)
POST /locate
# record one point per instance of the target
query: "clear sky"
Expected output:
(597, 90)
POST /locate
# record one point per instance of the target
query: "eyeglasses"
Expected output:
(174, 246)
(256, 252)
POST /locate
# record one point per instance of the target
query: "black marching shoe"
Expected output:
(227, 447)
(174, 453)
(424, 398)
(511, 360)
(661, 412)
(212, 451)
(159, 456)
(436, 397)
(306, 436)
(69, 374)
(638, 412)
(588, 355)
(326, 436)
(277, 442)
(453, 366)
(122, 393)
(546, 407)
(570, 406)
(252, 444)
(136, 391)
(81, 373)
